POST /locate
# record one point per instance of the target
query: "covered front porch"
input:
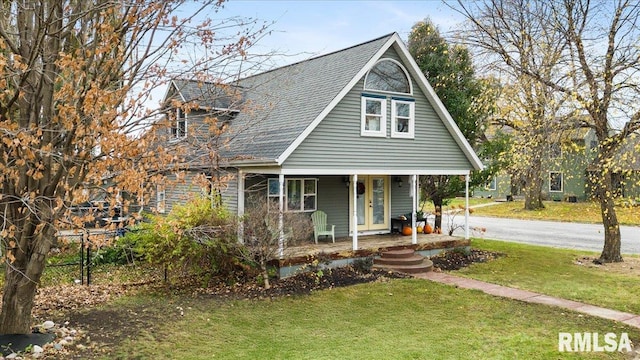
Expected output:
(362, 206)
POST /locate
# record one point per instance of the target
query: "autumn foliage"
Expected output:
(75, 81)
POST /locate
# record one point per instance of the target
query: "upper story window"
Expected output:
(389, 76)
(179, 125)
(491, 184)
(161, 200)
(373, 116)
(555, 181)
(402, 118)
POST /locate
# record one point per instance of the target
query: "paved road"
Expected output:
(548, 233)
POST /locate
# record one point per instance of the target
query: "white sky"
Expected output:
(301, 29)
(309, 28)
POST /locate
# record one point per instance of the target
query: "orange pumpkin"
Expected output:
(428, 229)
(406, 230)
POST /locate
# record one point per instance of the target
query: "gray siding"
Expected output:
(336, 142)
(229, 191)
(333, 198)
(400, 200)
(178, 192)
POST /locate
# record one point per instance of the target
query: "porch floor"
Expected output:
(375, 243)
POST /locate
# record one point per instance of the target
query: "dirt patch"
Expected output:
(630, 265)
(457, 259)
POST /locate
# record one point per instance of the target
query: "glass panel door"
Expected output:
(378, 203)
(373, 203)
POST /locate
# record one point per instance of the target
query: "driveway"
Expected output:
(548, 233)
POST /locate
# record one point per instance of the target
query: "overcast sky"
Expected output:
(319, 27)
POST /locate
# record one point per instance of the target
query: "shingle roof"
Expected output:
(278, 105)
(206, 94)
(287, 100)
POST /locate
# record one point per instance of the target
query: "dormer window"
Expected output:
(179, 125)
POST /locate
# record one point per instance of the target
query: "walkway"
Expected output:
(531, 297)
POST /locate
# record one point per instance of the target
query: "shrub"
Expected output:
(194, 238)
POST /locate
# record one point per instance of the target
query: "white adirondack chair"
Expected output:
(320, 226)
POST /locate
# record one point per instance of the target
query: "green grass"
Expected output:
(584, 212)
(555, 272)
(459, 201)
(399, 319)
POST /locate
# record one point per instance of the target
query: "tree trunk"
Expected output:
(437, 204)
(265, 275)
(21, 279)
(533, 187)
(612, 239)
(17, 302)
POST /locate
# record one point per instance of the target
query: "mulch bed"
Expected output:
(456, 260)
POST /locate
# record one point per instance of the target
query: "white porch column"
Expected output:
(240, 206)
(354, 182)
(466, 207)
(414, 201)
(281, 215)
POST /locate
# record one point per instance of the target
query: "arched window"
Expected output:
(388, 75)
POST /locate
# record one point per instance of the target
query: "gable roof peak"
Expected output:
(320, 56)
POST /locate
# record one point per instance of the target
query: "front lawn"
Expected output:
(583, 212)
(397, 319)
(389, 318)
(561, 273)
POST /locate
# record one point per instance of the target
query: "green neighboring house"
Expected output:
(347, 133)
(568, 170)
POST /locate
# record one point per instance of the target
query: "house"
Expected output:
(569, 173)
(347, 133)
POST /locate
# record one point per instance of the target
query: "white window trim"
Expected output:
(561, 181)
(412, 119)
(285, 189)
(383, 118)
(491, 185)
(161, 199)
(177, 120)
(406, 74)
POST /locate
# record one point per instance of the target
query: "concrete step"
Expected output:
(425, 266)
(404, 260)
(402, 253)
(414, 259)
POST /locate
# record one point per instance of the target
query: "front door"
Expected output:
(372, 202)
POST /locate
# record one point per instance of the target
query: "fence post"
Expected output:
(89, 265)
(82, 259)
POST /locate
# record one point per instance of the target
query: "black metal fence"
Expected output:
(80, 265)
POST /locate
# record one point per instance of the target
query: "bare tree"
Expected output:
(597, 73)
(261, 228)
(74, 77)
